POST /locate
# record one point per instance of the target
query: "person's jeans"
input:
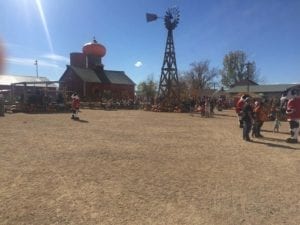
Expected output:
(257, 128)
(246, 129)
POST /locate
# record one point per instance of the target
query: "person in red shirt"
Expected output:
(293, 114)
(75, 106)
(259, 116)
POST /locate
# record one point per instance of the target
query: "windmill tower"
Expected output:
(168, 91)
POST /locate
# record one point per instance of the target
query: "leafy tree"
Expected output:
(148, 88)
(237, 67)
(199, 77)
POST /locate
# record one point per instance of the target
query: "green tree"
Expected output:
(148, 88)
(237, 67)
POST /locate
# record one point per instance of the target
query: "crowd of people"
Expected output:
(252, 113)
(206, 105)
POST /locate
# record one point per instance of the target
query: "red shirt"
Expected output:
(75, 103)
(293, 109)
(239, 106)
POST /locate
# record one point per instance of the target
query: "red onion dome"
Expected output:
(94, 48)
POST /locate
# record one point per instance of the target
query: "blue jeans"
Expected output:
(246, 129)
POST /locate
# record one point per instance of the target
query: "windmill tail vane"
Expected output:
(151, 17)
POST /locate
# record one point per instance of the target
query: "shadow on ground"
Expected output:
(270, 131)
(81, 121)
(274, 144)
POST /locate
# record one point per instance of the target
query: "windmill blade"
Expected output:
(151, 17)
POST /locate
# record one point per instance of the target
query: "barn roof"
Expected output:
(104, 76)
(118, 77)
(87, 75)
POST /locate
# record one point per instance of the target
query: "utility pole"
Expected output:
(36, 68)
(248, 75)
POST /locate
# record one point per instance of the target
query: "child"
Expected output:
(277, 124)
(75, 106)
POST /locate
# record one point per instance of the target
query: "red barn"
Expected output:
(86, 76)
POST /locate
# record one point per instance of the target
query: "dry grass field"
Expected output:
(137, 168)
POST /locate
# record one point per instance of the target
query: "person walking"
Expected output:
(247, 119)
(259, 118)
(75, 106)
(277, 124)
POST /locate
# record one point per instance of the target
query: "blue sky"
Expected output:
(49, 30)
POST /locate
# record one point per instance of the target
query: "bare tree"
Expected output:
(199, 77)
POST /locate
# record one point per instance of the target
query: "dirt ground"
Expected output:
(136, 167)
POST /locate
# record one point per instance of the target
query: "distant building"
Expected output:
(86, 76)
(7, 80)
(20, 85)
(244, 82)
(265, 90)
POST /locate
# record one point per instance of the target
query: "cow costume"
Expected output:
(293, 113)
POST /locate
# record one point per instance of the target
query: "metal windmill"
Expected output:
(168, 91)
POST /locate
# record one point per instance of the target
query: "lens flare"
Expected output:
(43, 18)
(1, 57)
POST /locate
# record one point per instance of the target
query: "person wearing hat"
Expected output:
(247, 119)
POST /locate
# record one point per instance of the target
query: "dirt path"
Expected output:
(137, 167)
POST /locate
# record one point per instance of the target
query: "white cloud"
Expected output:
(56, 57)
(138, 64)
